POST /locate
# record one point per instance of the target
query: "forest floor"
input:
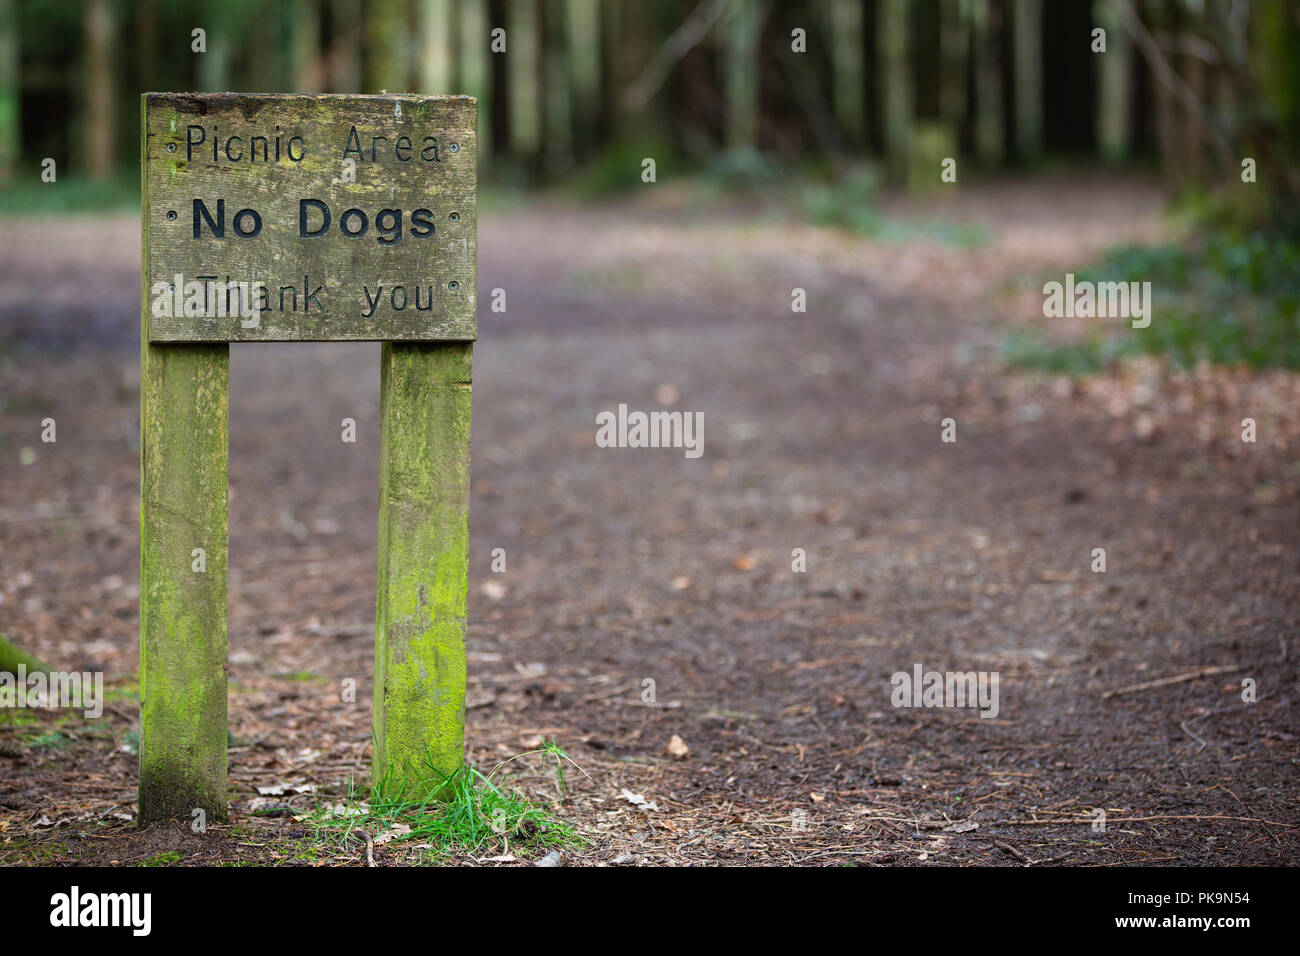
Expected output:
(822, 432)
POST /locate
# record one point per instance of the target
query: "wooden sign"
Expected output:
(270, 218)
(310, 217)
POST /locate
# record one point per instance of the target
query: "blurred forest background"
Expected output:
(813, 108)
(744, 89)
(799, 147)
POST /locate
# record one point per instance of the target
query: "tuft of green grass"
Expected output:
(551, 749)
(51, 740)
(469, 812)
(163, 859)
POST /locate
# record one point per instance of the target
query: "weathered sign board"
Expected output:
(338, 217)
(304, 218)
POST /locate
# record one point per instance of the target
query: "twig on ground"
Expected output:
(1187, 730)
(1013, 851)
(1176, 679)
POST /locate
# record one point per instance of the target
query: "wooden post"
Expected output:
(380, 239)
(184, 403)
(184, 411)
(423, 565)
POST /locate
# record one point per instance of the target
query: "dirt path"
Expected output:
(822, 432)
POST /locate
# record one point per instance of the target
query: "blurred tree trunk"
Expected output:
(1114, 102)
(469, 46)
(213, 65)
(473, 38)
(953, 45)
(525, 68)
(1166, 110)
(388, 47)
(10, 91)
(1278, 55)
(742, 26)
(987, 23)
(848, 68)
(255, 54)
(558, 87)
(896, 93)
(627, 51)
(613, 73)
(345, 46)
(304, 36)
(100, 87)
(1193, 145)
(1028, 27)
(925, 58)
(584, 72)
(436, 63)
(1279, 134)
(145, 31)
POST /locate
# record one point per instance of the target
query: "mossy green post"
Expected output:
(184, 409)
(423, 565)
(184, 401)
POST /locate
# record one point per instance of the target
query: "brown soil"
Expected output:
(822, 432)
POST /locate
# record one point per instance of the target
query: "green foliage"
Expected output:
(471, 813)
(1231, 208)
(12, 656)
(963, 235)
(849, 203)
(51, 740)
(72, 194)
(1075, 359)
(1233, 300)
(741, 170)
(163, 859)
(619, 168)
(931, 143)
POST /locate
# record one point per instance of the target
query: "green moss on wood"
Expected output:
(184, 399)
(184, 410)
(423, 563)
